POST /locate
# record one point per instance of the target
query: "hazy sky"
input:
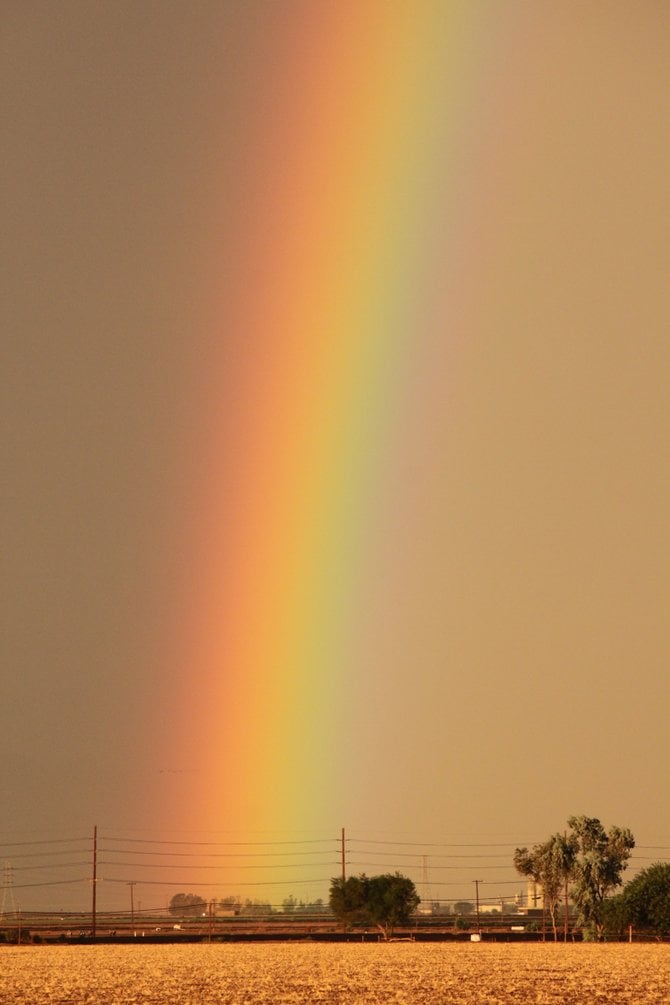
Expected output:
(513, 664)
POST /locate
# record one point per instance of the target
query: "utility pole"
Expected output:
(132, 904)
(565, 893)
(477, 882)
(95, 880)
(344, 859)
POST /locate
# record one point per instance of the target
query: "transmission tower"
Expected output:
(8, 901)
(425, 882)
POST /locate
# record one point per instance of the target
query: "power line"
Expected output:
(428, 844)
(406, 854)
(26, 844)
(194, 854)
(46, 854)
(456, 868)
(58, 882)
(58, 865)
(173, 883)
(168, 865)
(217, 844)
(227, 862)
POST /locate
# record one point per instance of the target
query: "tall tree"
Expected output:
(532, 864)
(601, 858)
(549, 865)
(562, 854)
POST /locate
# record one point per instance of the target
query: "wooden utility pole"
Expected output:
(132, 904)
(344, 859)
(94, 916)
(477, 882)
(565, 892)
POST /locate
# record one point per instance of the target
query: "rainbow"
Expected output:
(343, 263)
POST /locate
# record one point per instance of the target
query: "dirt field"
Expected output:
(428, 974)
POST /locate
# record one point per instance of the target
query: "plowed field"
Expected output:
(426, 974)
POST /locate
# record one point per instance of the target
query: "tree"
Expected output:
(646, 899)
(560, 864)
(348, 899)
(550, 865)
(185, 905)
(384, 901)
(393, 900)
(528, 863)
(601, 857)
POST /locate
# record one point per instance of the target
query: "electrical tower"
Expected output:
(8, 902)
(425, 882)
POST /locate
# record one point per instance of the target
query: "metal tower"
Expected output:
(8, 902)
(425, 883)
